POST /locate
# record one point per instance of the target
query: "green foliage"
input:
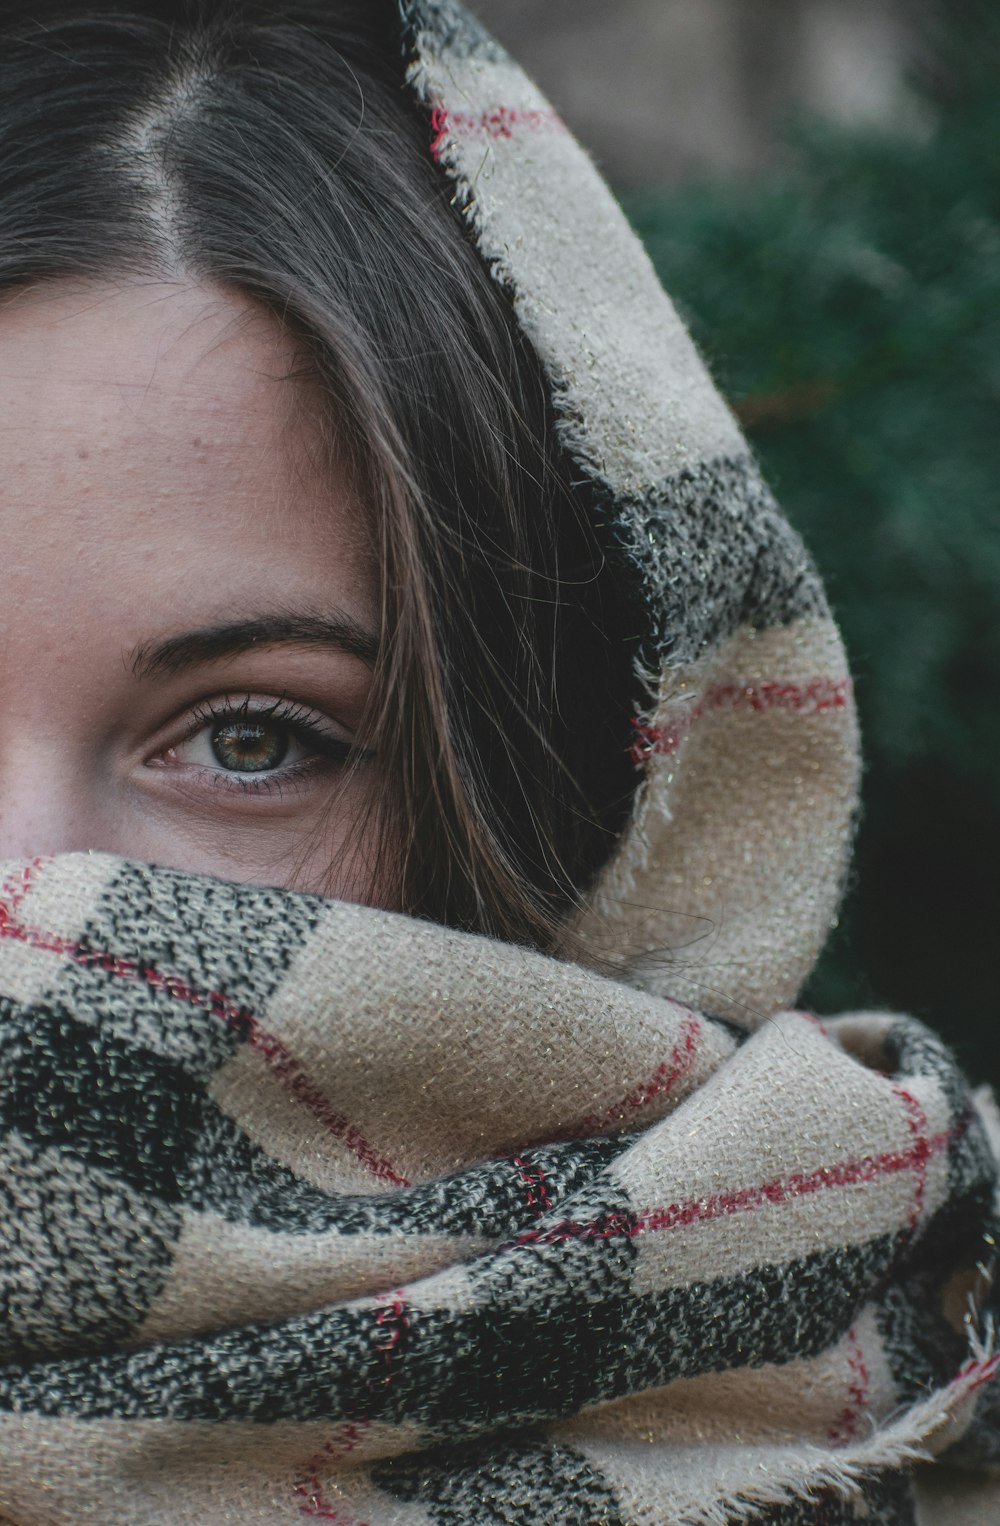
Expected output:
(850, 308)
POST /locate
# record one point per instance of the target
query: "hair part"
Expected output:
(270, 150)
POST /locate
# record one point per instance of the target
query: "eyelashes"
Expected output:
(260, 746)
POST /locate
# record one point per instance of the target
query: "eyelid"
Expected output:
(327, 742)
(284, 710)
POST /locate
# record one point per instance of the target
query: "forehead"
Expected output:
(144, 363)
(162, 421)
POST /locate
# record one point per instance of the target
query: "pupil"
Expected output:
(249, 747)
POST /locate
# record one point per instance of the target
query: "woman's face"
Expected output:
(190, 603)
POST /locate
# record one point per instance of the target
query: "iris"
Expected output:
(249, 747)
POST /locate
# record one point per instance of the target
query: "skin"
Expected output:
(160, 478)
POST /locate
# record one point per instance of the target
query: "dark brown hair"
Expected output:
(271, 149)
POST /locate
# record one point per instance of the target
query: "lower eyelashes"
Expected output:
(274, 782)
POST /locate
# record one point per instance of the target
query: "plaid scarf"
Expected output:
(316, 1211)
(311, 1210)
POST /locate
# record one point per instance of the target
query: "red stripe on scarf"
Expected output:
(494, 122)
(815, 697)
(271, 1049)
(847, 1173)
(663, 1080)
(845, 1428)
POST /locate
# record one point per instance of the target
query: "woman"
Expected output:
(415, 708)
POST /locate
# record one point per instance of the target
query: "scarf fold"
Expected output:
(746, 735)
(316, 1211)
(311, 1211)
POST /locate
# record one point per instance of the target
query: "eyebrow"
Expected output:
(157, 659)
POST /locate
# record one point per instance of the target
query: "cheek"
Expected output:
(339, 847)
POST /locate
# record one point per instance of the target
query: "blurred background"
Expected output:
(818, 184)
(661, 90)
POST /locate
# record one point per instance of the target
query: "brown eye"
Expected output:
(275, 745)
(249, 747)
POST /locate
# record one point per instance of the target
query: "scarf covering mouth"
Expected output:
(316, 1211)
(313, 1211)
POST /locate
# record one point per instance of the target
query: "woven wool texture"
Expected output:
(313, 1211)
(738, 855)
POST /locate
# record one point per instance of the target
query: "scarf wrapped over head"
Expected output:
(314, 1211)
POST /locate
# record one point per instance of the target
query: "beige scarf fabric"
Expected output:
(312, 1211)
(738, 845)
(315, 1211)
